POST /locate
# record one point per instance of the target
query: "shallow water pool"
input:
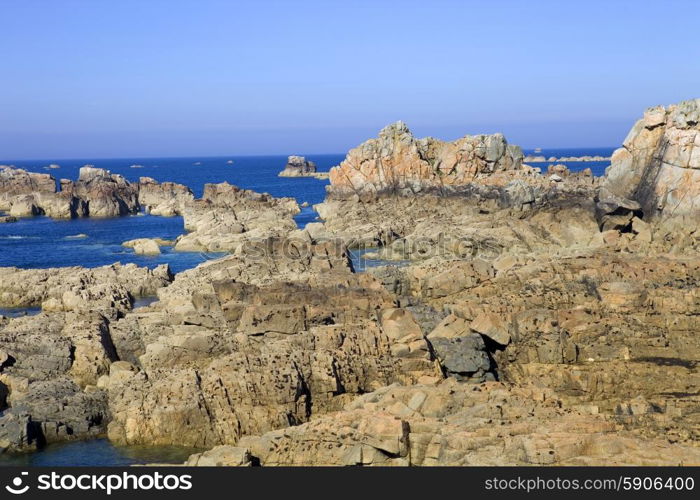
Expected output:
(99, 452)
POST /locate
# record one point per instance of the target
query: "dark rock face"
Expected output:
(464, 358)
(617, 213)
(61, 411)
(106, 194)
(298, 166)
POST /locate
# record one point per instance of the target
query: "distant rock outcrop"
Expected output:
(97, 193)
(106, 194)
(16, 182)
(658, 165)
(542, 158)
(397, 161)
(298, 166)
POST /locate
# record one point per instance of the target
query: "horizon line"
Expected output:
(8, 162)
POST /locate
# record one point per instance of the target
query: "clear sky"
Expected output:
(188, 78)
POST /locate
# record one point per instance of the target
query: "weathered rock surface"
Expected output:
(243, 345)
(224, 455)
(61, 205)
(143, 246)
(396, 161)
(50, 363)
(419, 227)
(166, 198)
(658, 165)
(70, 288)
(298, 166)
(226, 217)
(533, 319)
(106, 194)
(15, 182)
(458, 424)
(537, 280)
(24, 206)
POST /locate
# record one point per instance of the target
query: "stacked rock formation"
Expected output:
(396, 161)
(16, 183)
(104, 194)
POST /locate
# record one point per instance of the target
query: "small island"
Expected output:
(299, 166)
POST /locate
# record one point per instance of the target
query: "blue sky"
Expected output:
(173, 78)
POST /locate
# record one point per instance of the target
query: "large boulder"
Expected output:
(24, 206)
(224, 455)
(62, 205)
(17, 431)
(165, 198)
(227, 216)
(15, 182)
(143, 246)
(658, 165)
(614, 212)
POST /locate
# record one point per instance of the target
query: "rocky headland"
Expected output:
(540, 318)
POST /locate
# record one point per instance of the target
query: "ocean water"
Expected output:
(39, 242)
(96, 453)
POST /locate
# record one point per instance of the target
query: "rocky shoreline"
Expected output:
(537, 318)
